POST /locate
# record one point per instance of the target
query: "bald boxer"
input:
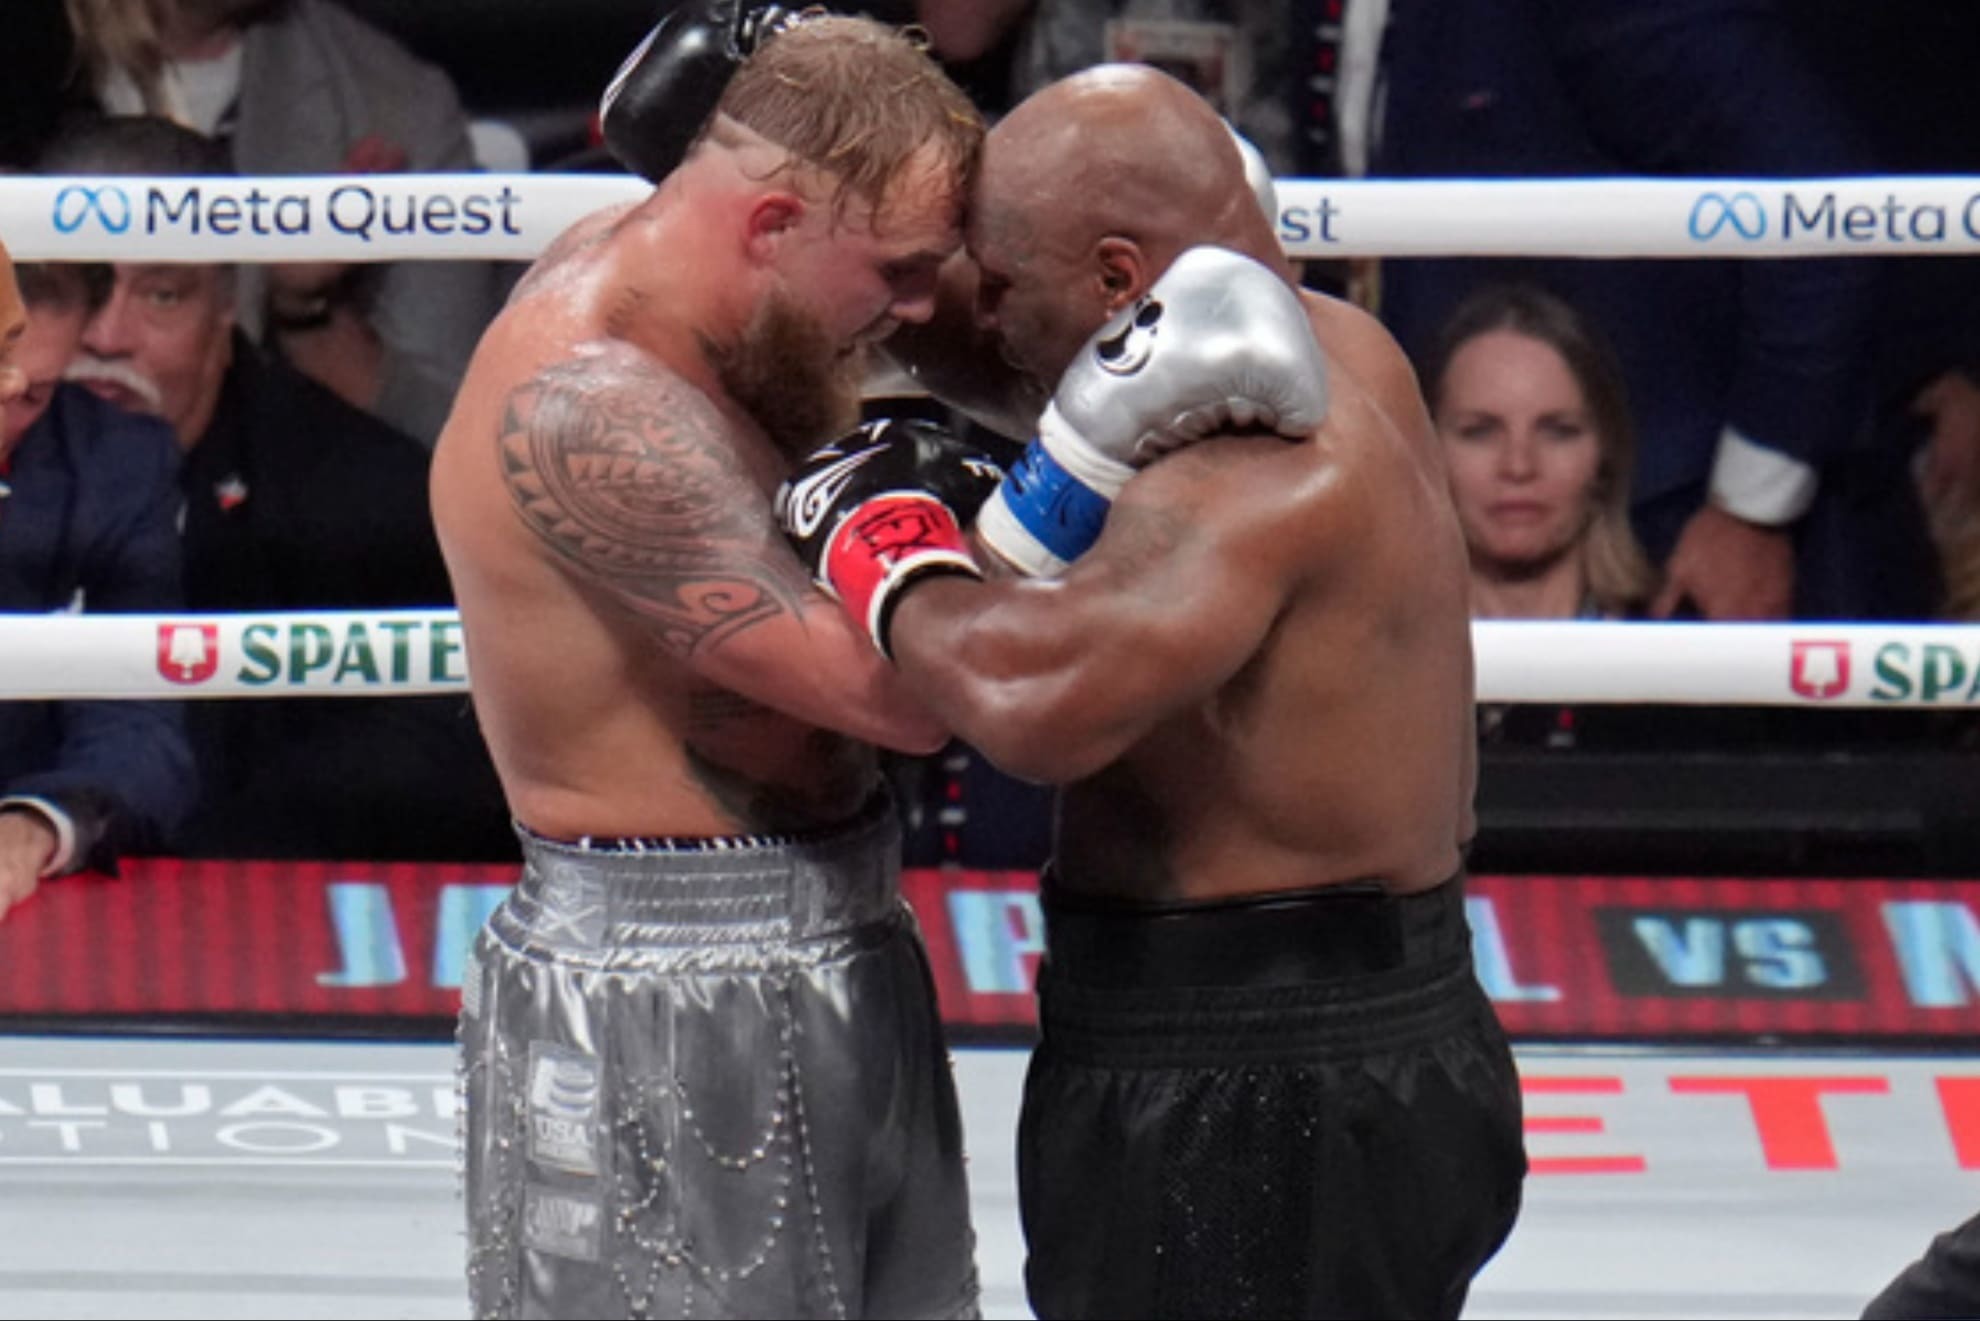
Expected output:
(1268, 1082)
(704, 1072)
(13, 326)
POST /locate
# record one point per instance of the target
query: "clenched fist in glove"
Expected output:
(663, 95)
(1219, 343)
(882, 507)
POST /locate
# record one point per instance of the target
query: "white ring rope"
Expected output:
(391, 217)
(402, 653)
(513, 217)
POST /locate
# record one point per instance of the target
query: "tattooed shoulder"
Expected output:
(631, 478)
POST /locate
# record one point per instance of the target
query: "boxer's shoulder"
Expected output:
(604, 379)
(561, 264)
(1373, 383)
(1361, 347)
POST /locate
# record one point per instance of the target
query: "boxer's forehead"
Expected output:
(1008, 168)
(927, 191)
(997, 230)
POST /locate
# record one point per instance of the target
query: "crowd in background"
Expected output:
(1626, 439)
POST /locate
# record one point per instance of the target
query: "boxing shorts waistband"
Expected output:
(1298, 937)
(716, 889)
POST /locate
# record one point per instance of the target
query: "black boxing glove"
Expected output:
(885, 506)
(663, 95)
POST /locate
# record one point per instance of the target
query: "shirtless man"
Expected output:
(703, 1069)
(1268, 1082)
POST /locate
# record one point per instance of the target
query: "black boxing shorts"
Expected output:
(1299, 1105)
(707, 1078)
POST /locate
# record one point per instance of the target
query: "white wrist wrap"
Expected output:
(1052, 505)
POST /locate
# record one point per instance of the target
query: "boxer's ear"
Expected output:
(773, 217)
(1120, 272)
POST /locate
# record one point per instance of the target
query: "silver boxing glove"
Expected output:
(1219, 343)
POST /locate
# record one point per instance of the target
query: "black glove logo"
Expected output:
(805, 502)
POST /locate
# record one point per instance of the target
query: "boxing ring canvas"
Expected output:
(254, 1178)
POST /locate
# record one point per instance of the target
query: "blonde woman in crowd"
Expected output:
(1539, 445)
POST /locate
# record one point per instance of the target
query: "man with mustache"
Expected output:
(703, 1066)
(88, 498)
(295, 500)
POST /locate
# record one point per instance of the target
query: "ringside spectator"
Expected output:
(295, 501)
(88, 499)
(307, 87)
(1537, 434)
(1749, 378)
(1927, 344)
(1539, 440)
(1949, 486)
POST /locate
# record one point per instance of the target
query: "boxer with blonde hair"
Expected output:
(704, 1070)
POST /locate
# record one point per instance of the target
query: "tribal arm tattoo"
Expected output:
(629, 477)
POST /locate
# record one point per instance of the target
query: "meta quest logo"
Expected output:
(248, 206)
(1714, 213)
(109, 205)
(1741, 216)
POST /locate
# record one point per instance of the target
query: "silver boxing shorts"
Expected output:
(707, 1078)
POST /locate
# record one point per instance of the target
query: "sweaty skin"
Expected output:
(1260, 677)
(648, 656)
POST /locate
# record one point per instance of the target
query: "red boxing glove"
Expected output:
(882, 546)
(882, 509)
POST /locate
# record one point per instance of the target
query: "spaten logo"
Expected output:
(77, 202)
(1820, 670)
(188, 653)
(1742, 212)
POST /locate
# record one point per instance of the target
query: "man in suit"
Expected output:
(88, 497)
(295, 500)
(1755, 486)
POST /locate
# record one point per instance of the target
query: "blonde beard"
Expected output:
(788, 373)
